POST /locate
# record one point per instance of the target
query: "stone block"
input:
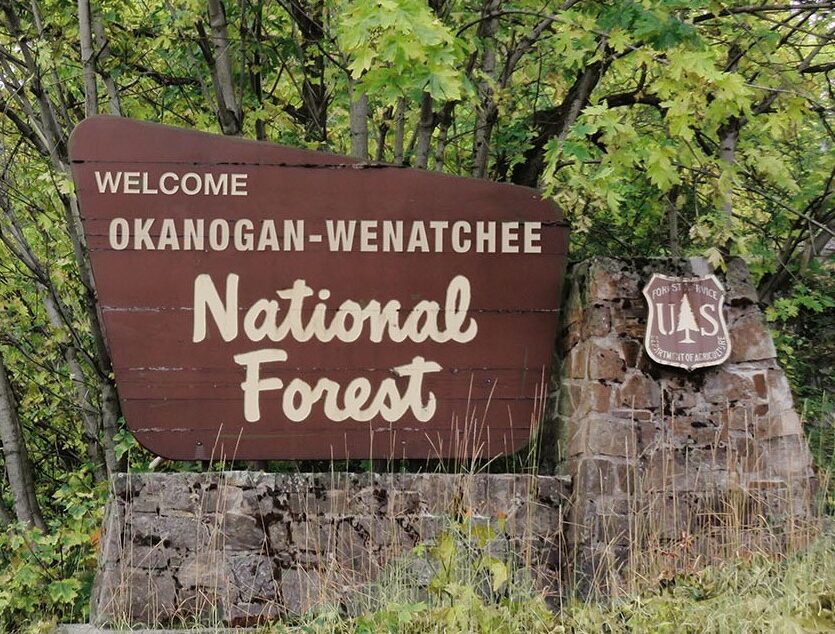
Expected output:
(680, 398)
(604, 362)
(206, 569)
(596, 397)
(633, 415)
(302, 503)
(629, 319)
(183, 532)
(113, 532)
(696, 431)
(665, 470)
(760, 385)
(123, 486)
(155, 557)
(750, 337)
(746, 453)
(555, 490)
(500, 492)
(608, 279)
(610, 436)
(136, 596)
(243, 532)
(256, 503)
(569, 338)
(597, 321)
(616, 506)
(576, 438)
(787, 457)
(632, 352)
(533, 519)
(301, 590)
(353, 550)
(613, 529)
(204, 605)
(786, 423)
(739, 290)
(639, 391)
(146, 502)
(243, 614)
(594, 476)
(574, 307)
(740, 417)
(278, 535)
(253, 577)
(577, 363)
(583, 513)
(779, 393)
(179, 496)
(724, 386)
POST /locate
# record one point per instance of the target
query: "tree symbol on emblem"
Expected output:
(686, 319)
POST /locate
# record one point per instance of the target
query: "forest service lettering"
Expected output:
(365, 236)
(350, 321)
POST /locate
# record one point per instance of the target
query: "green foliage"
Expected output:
(399, 48)
(48, 576)
(804, 322)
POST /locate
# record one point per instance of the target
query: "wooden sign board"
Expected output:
(263, 302)
(686, 325)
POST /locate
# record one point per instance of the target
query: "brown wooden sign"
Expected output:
(686, 324)
(267, 302)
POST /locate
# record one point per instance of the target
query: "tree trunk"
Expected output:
(773, 284)
(89, 415)
(219, 60)
(382, 134)
(88, 59)
(728, 135)
(672, 222)
(486, 113)
(103, 43)
(308, 16)
(399, 131)
(255, 72)
(111, 411)
(444, 121)
(359, 123)
(425, 128)
(485, 121)
(556, 122)
(16, 456)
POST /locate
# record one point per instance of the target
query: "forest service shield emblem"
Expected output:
(686, 323)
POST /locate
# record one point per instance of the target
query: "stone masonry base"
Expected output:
(241, 548)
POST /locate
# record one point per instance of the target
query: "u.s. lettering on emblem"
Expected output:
(686, 325)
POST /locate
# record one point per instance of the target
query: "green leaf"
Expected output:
(64, 591)
(499, 574)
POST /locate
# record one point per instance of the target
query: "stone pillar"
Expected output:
(672, 468)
